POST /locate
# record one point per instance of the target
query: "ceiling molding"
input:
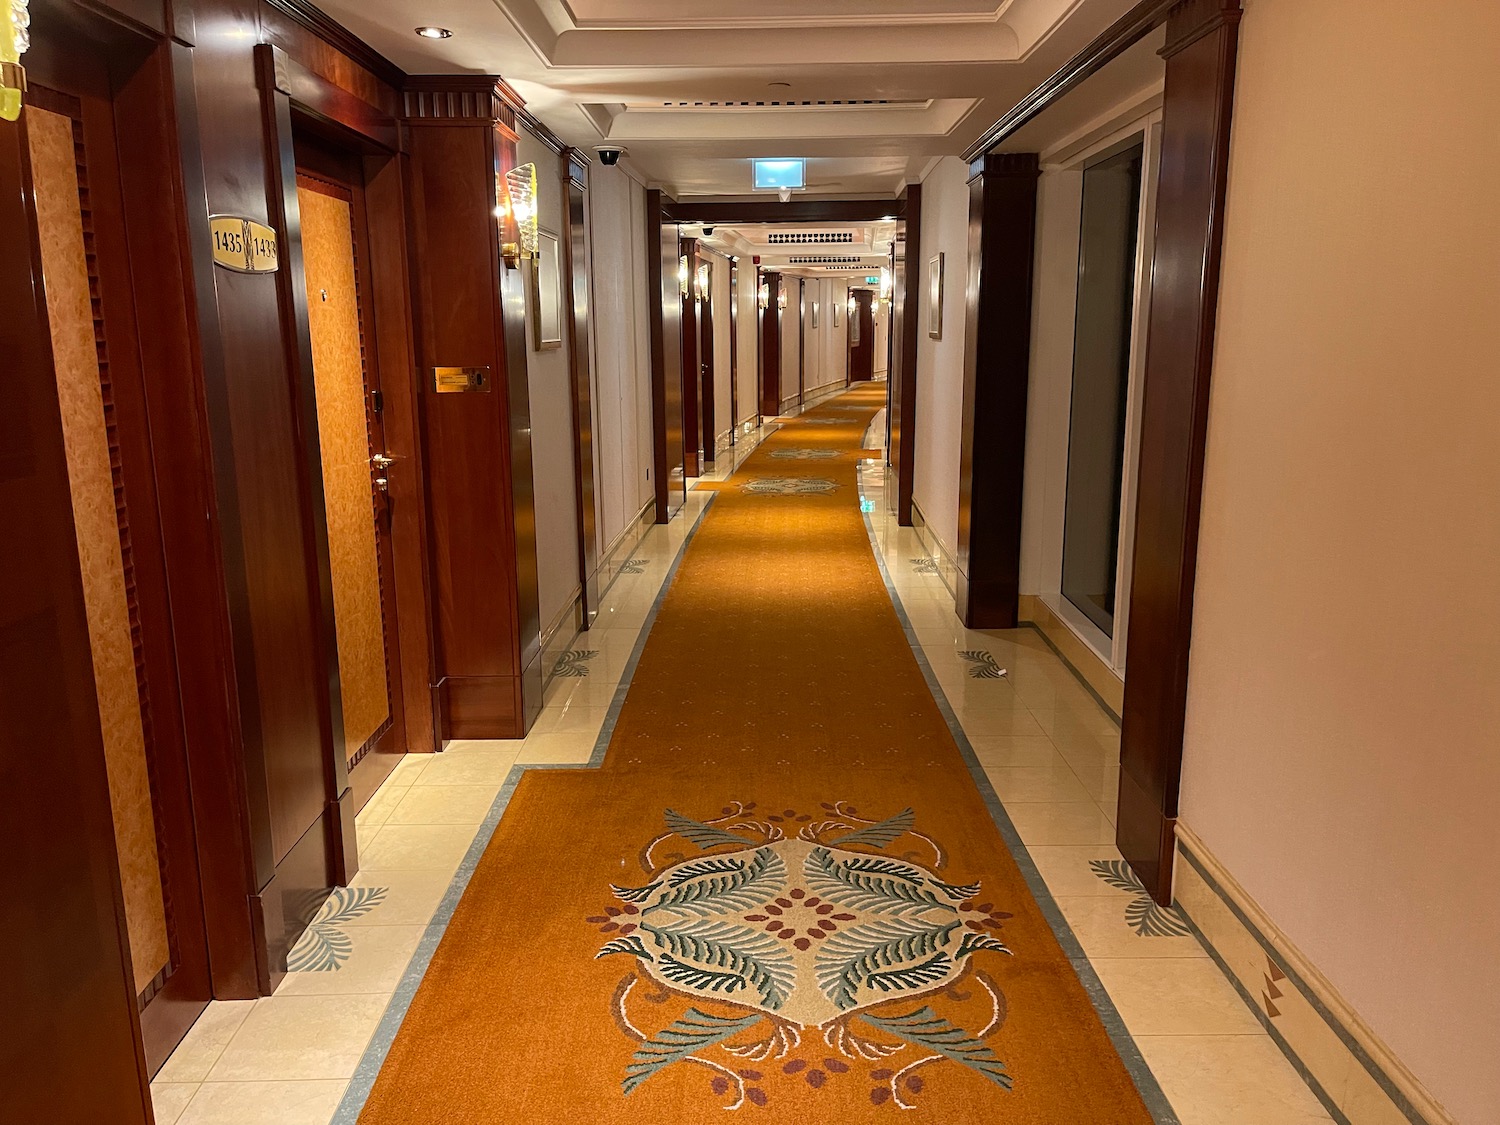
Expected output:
(336, 35)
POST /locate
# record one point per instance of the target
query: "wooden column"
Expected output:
(692, 407)
(477, 445)
(997, 348)
(734, 351)
(1201, 44)
(908, 276)
(770, 347)
(575, 259)
(706, 361)
(665, 305)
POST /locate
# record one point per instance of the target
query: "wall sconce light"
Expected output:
(853, 304)
(765, 295)
(781, 300)
(683, 276)
(885, 283)
(520, 206)
(701, 282)
(15, 38)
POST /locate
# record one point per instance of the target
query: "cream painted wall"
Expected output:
(622, 368)
(826, 362)
(835, 339)
(551, 419)
(1343, 731)
(940, 363)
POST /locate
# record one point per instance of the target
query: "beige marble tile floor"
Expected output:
(1050, 752)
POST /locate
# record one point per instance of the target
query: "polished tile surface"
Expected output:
(1050, 752)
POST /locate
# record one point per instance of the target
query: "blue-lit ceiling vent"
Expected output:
(780, 175)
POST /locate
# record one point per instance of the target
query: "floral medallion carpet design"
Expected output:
(833, 935)
(781, 891)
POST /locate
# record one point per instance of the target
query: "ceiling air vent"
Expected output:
(824, 238)
(813, 260)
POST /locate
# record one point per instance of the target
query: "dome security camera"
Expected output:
(708, 232)
(609, 155)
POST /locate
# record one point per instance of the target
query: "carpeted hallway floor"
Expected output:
(781, 890)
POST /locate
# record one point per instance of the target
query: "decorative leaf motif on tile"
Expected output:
(634, 566)
(825, 421)
(574, 662)
(778, 936)
(323, 946)
(1143, 914)
(790, 486)
(925, 565)
(985, 666)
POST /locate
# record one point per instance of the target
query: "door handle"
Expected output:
(382, 465)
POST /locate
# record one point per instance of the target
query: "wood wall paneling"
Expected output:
(574, 170)
(997, 346)
(470, 312)
(908, 280)
(770, 346)
(665, 306)
(73, 1044)
(1202, 42)
(692, 382)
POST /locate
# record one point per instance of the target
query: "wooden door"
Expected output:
(861, 337)
(692, 405)
(113, 456)
(706, 359)
(355, 466)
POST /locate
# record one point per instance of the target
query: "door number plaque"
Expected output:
(242, 244)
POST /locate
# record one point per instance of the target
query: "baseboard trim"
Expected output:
(1352, 1071)
(1085, 661)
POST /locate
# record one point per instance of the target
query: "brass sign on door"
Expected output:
(242, 244)
(455, 380)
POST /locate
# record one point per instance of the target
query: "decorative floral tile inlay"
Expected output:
(1144, 914)
(574, 662)
(765, 946)
(323, 946)
(825, 421)
(790, 486)
(925, 565)
(805, 454)
(634, 566)
(984, 666)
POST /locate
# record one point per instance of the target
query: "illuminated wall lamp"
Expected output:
(701, 282)
(15, 38)
(684, 277)
(765, 295)
(781, 300)
(520, 207)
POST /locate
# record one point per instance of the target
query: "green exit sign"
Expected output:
(873, 280)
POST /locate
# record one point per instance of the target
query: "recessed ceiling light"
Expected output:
(434, 33)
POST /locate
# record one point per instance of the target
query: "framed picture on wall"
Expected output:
(835, 306)
(815, 314)
(935, 297)
(545, 312)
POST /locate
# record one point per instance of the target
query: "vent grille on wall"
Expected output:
(822, 239)
(813, 260)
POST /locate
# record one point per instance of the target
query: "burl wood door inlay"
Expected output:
(101, 528)
(344, 438)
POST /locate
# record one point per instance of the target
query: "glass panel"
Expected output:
(1101, 368)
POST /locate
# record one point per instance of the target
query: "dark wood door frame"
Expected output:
(706, 396)
(734, 351)
(1200, 52)
(908, 277)
(692, 377)
(997, 359)
(770, 345)
(664, 312)
(574, 174)
(73, 1044)
(801, 341)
